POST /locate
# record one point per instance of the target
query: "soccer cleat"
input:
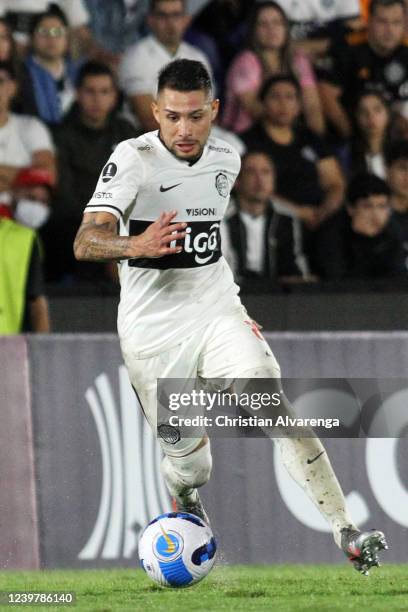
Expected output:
(193, 505)
(361, 548)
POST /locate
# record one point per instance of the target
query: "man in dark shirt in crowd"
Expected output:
(373, 61)
(84, 141)
(262, 239)
(397, 167)
(306, 173)
(362, 242)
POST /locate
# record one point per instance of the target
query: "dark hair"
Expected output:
(396, 151)
(93, 68)
(9, 29)
(184, 75)
(359, 144)
(286, 51)
(54, 11)
(365, 185)
(252, 152)
(375, 4)
(9, 68)
(153, 4)
(278, 78)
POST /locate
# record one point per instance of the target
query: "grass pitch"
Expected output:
(278, 588)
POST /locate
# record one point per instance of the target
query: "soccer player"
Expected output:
(180, 315)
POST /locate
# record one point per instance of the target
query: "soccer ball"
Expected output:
(177, 549)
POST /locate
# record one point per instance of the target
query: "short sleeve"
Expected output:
(36, 135)
(136, 76)
(119, 181)
(245, 73)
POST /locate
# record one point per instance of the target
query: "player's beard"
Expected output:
(189, 158)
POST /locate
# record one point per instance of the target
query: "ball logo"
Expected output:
(222, 185)
(109, 172)
(168, 545)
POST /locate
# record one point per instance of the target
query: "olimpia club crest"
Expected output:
(132, 487)
(222, 185)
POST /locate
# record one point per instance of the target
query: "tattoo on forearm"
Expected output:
(99, 242)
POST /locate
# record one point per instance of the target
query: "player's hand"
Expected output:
(156, 240)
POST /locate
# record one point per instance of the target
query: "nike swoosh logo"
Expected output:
(163, 189)
(309, 461)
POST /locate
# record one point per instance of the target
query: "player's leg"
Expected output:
(237, 350)
(185, 474)
(187, 462)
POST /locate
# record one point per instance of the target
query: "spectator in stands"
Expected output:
(84, 141)
(48, 87)
(142, 62)
(375, 61)
(23, 305)
(315, 23)
(8, 53)
(270, 52)
(362, 241)
(307, 174)
(32, 195)
(261, 240)
(397, 165)
(7, 46)
(371, 135)
(20, 14)
(24, 141)
(117, 24)
(223, 23)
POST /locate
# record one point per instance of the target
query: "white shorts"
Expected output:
(226, 349)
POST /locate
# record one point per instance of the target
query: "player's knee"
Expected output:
(190, 471)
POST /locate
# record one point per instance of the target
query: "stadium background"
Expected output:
(81, 449)
(80, 470)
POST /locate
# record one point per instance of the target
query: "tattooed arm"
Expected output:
(97, 238)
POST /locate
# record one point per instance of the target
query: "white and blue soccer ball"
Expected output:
(177, 549)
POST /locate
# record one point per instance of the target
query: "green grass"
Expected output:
(278, 588)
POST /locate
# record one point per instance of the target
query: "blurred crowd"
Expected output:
(314, 95)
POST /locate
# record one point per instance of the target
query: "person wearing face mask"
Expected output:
(32, 197)
(23, 305)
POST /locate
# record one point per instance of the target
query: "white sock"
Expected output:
(317, 479)
(184, 474)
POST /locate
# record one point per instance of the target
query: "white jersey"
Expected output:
(165, 299)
